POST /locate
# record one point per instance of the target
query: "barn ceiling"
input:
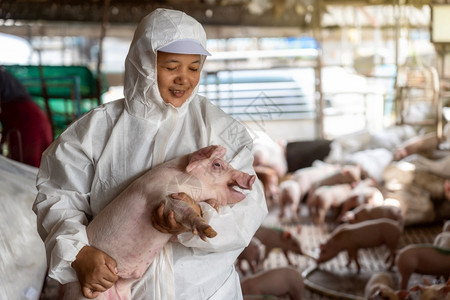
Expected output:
(209, 12)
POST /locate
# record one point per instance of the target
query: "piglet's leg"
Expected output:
(188, 213)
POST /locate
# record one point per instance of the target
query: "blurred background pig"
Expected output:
(381, 285)
(283, 282)
(366, 212)
(289, 198)
(252, 255)
(278, 238)
(367, 234)
(422, 259)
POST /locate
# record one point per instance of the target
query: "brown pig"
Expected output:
(366, 212)
(367, 234)
(123, 229)
(423, 259)
(278, 238)
(252, 255)
(381, 286)
(290, 197)
(280, 282)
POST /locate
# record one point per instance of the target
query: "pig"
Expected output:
(269, 180)
(290, 197)
(278, 238)
(442, 240)
(124, 230)
(381, 286)
(326, 197)
(347, 175)
(433, 292)
(367, 234)
(252, 255)
(280, 282)
(423, 259)
(366, 212)
(307, 176)
(365, 192)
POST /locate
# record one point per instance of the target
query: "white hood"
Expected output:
(155, 31)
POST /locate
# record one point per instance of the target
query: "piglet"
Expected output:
(366, 212)
(433, 292)
(364, 192)
(280, 282)
(306, 177)
(367, 234)
(349, 174)
(324, 198)
(123, 229)
(252, 255)
(381, 286)
(423, 259)
(290, 195)
(278, 238)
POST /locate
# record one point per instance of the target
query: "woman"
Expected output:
(161, 117)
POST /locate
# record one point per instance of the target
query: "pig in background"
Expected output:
(381, 285)
(348, 174)
(365, 212)
(284, 282)
(367, 234)
(425, 259)
(365, 191)
(252, 255)
(431, 292)
(325, 198)
(116, 228)
(307, 176)
(280, 238)
(289, 198)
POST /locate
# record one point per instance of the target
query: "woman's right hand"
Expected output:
(96, 271)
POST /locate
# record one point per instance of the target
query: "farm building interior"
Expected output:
(347, 102)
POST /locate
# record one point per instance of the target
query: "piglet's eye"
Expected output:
(218, 165)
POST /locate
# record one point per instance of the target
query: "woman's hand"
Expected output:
(96, 271)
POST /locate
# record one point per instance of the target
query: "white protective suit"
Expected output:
(107, 148)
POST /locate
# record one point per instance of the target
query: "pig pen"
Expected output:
(333, 280)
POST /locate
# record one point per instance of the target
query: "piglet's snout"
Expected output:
(243, 180)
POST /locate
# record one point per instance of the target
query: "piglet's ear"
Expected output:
(204, 153)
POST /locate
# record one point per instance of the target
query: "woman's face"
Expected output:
(178, 75)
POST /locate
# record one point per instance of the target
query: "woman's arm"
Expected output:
(63, 210)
